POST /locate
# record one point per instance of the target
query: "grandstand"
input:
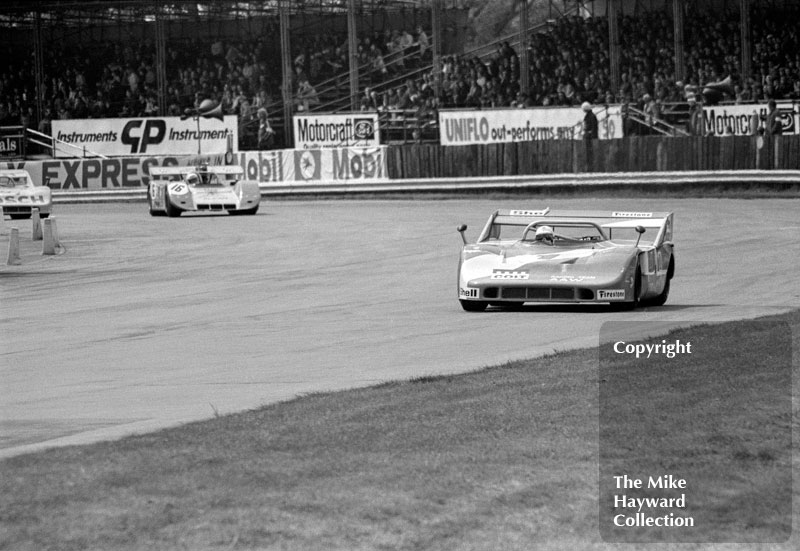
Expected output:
(403, 59)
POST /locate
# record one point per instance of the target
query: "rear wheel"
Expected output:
(474, 305)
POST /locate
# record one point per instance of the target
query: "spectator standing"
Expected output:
(266, 135)
(694, 124)
(773, 126)
(590, 124)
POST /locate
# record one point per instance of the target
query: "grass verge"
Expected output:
(502, 458)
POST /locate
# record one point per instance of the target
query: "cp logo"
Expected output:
(153, 133)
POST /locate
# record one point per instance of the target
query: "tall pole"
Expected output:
(523, 46)
(744, 23)
(613, 43)
(286, 62)
(352, 46)
(436, 46)
(678, 12)
(161, 64)
(38, 68)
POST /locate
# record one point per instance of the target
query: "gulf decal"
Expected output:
(524, 125)
(145, 136)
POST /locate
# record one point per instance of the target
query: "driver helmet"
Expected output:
(544, 233)
(192, 179)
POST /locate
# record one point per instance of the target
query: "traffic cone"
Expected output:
(13, 248)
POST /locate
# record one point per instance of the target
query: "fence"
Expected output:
(631, 154)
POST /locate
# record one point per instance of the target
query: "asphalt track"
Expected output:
(142, 323)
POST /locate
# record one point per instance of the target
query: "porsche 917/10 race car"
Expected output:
(623, 258)
(19, 197)
(177, 189)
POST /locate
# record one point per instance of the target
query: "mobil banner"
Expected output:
(146, 136)
(350, 165)
(287, 167)
(524, 125)
(336, 130)
(748, 119)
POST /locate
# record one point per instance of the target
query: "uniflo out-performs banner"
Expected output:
(287, 167)
(336, 130)
(746, 119)
(524, 125)
(146, 136)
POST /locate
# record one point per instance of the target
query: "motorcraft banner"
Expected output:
(524, 125)
(146, 136)
(336, 130)
(287, 167)
(747, 119)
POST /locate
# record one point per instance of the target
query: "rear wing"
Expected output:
(184, 170)
(660, 221)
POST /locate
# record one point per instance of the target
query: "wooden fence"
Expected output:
(633, 154)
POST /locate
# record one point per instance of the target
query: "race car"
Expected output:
(622, 258)
(19, 197)
(177, 189)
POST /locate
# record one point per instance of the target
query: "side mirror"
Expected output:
(461, 229)
(640, 230)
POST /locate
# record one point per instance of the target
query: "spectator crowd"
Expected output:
(568, 65)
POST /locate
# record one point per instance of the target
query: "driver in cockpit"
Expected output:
(544, 234)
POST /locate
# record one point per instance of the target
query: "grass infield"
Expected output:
(503, 458)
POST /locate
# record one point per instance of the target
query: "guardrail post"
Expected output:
(37, 225)
(50, 237)
(13, 248)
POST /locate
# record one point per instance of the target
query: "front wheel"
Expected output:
(172, 210)
(473, 305)
(637, 293)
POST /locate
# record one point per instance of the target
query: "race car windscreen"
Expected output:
(565, 234)
(13, 181)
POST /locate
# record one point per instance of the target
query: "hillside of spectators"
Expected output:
(568, 64)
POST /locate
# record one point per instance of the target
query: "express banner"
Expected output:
(524, 125)
(745, 120)
(286, 167)
(145, 136)
(337, 130)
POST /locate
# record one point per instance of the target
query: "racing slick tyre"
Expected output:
(172, 210)
(474, 305)
(637, 291)
(661, 298)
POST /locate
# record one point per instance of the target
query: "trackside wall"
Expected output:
(354, 167)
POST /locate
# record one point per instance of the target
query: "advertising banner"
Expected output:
(11, 147)
(349, 165)
(745, 120)
(524, 125)
(337, 130)
(148, 136)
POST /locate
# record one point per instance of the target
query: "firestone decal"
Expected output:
(622, 214)
(611, 294)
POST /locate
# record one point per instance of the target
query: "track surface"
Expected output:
(144, 322)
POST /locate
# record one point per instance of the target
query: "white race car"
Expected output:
(177, 189)
(623, 258)
(19, 196)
